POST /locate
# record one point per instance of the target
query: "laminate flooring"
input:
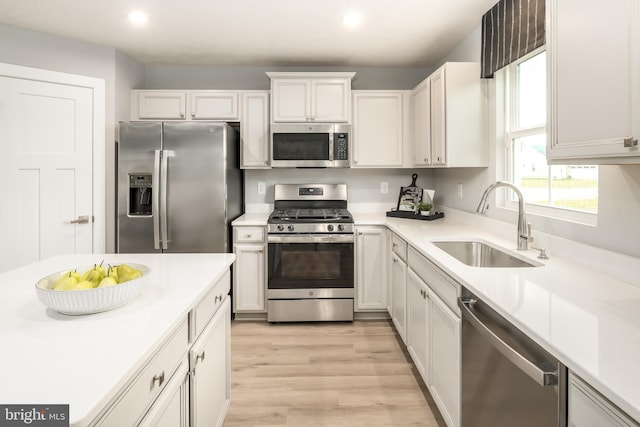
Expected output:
(325, 374)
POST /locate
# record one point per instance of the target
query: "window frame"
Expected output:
(506, 88)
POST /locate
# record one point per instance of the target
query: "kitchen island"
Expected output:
(98, 364)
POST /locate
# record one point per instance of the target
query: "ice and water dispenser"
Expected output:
(140, 194)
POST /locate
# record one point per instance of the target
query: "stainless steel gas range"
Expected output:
(311, 254)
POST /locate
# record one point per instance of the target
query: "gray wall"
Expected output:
(619, 186)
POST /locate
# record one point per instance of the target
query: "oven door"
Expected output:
(323, 263)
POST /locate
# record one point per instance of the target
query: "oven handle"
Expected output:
(310, 238)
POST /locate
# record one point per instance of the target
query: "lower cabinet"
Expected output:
(398, 285)
(372, 260)
(418, 322)
(587, 408)
(172, 407)
(249, 273)
(210, 362)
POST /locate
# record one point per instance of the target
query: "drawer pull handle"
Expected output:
(159, 379)
(200, 357)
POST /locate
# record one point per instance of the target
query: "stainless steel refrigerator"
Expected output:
(179, 186)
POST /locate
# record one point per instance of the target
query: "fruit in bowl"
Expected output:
(92, 289)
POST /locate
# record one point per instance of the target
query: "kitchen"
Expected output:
(619, 185)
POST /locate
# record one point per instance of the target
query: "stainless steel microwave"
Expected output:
(310, 145)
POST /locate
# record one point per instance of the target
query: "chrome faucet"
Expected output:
(524, 229)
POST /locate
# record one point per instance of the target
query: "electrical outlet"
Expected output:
(384, 187)
(460, 191)
(261, 188)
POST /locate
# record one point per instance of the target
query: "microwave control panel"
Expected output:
(341, 146)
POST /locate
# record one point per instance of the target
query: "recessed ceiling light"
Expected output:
(138, 17)
(351, 19)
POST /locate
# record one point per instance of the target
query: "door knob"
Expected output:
(82, 219)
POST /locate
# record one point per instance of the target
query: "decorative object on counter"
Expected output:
(410, 196)
(94, 299)
(425, 208)
(412, 215)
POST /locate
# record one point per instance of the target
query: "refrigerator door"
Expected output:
(138, 203)
(196, 186)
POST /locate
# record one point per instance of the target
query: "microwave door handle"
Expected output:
(331, 146)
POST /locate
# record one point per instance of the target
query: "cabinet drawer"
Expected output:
(139, 394)
(205, 310)
(447, 289)
(399, 247)
(249, 234)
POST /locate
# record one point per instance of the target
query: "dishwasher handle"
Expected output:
(544, 378)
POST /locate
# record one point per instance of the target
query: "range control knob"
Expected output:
(280, 227)
(330, 227)
(341, 227)
(290, 227)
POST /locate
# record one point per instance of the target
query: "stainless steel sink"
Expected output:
(479, 254)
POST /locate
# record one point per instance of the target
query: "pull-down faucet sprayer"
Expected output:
(524, 229)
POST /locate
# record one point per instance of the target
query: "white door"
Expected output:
(46, 137)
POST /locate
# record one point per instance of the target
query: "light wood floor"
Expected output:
(324, 374)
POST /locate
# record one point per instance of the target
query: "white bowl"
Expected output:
(88, 301)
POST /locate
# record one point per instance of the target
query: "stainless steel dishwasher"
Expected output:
(507, 379)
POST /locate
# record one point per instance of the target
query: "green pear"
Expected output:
(67, 281)
(85, 284)
(113, 273)
(107, 281)
(126, 273)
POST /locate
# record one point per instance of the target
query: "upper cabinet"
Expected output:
(214, 105)
(593, 120)
(449, 118)
(310, 97)
(158, 104)
(254, 130)
(380, 129)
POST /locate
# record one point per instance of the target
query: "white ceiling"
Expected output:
(260, 32)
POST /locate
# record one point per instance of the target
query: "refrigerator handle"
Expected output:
(164, 229)
(155, 201)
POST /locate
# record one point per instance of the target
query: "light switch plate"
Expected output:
(261, 188)
(384, 187)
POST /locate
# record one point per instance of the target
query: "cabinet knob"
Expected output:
(159, 379)
(200, 357)
(630, 142)
(261, 250)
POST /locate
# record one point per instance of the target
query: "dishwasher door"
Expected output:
(507, 379)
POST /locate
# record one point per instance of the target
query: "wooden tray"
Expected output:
(411, 215)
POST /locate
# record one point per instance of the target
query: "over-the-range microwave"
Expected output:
(310, 145)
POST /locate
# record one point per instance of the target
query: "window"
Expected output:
(566, 187)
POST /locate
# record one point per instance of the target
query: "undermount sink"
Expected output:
(479, 254)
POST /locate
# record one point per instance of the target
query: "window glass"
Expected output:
(532, 91)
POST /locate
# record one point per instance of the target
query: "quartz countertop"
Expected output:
(83, 361)
(589, 320)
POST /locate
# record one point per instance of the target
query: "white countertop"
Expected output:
(589, 320)
(49, 358)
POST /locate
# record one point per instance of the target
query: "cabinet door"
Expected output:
(254, 130)
(291, 100)
(421, 107)
(590, 116)
(214, 105)
(154, 105)
(371, 268)
(249, 279)
(211, 370)
(438, 117)
(171, 409)
(444, 359)
(330, 100)
(588, 409)
(398, 295)
(417, 322)
(377, 129)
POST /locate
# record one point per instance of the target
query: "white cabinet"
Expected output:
(449, 118)
(379, 128)
(591, 118)
(171, 409)
(372, 259)
(254, 130)
(249, 273)
(158, 104)
(210, 361)
(398, 286)
(587, 408)
(310, 97)
(214, 105)
(417, 322)
(444, 359)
